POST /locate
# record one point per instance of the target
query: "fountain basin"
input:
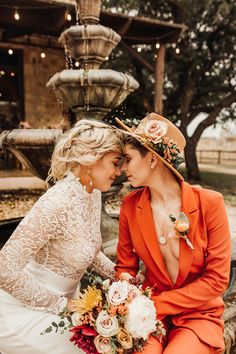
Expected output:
(90, 44)
(91, 93)
(32, 147)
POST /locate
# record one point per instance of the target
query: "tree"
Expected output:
(200, 77)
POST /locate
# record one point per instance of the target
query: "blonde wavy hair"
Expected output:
(84, 144)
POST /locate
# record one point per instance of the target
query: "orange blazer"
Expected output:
(194, 301)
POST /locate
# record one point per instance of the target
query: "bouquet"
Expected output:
(111, 317)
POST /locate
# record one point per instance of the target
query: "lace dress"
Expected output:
(42, 264)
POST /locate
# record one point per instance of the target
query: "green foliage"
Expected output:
(204, 67)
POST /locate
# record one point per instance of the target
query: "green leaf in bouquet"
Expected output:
(54, 324)
(48, 330)
(61, 324)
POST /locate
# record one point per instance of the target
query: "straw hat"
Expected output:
(161, 137)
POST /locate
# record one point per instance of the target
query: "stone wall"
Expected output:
(41, 107)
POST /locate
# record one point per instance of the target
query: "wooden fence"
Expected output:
(216, 156)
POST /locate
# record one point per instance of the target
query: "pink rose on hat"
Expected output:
(155, 130)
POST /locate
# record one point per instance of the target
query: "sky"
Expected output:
(213, 131)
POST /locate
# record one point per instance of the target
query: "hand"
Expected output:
(70, 305)
(126, 276)
(140, 278)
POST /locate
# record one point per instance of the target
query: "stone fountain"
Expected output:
(82, 88)
(90, 92)
(87, 91)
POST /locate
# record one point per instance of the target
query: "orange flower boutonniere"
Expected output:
(182, 225)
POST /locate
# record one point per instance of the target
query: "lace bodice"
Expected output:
(62, 232)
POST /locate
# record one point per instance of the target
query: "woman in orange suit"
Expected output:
(181, 234)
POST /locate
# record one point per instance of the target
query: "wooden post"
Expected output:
(219, 157)
(159, 79)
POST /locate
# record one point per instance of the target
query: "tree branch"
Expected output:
(211, 119)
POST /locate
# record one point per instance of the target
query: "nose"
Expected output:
(123, 166)
(118, 171)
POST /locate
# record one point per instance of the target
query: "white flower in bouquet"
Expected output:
(141, 319)
(106, 325)
(103, 345)
(118, 292)
(76, 319)
(133, 291)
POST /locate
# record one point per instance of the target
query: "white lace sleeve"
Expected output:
(33, 233)
(103, 265)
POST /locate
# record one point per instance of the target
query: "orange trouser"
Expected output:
(180, 341)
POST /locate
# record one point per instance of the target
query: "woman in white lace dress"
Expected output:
(43, 261)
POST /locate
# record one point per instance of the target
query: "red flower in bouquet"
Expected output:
(83, 337)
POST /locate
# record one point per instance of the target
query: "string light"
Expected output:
(177, 51)
(0, 94)
(43, 55)
(68, 16)
(12, 74)
(77, 64)
(2, 72)
(139, 49)
(157, 46)
(106, 58)
(10, 51)
(16, 15)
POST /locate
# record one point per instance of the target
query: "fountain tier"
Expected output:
(90, 44)
(91, 93)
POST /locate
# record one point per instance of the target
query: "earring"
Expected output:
(152, 166)
(90, 179)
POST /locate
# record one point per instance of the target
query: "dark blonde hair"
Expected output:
(84, 144)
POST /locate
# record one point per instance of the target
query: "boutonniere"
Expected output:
(182, 225)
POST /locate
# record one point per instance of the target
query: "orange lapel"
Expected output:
(190, 208)
(146, 224)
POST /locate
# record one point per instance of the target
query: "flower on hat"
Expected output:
(155, 130)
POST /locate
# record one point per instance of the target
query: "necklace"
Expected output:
(162, 239)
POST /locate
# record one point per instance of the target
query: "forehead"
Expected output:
(113, 155)
(130, 150)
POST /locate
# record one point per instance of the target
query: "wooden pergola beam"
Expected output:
(137, 56)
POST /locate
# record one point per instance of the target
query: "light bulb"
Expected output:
(43, 55)
(157, 46)
(10, 51)
(139, 49)
(177, 51)
(68, 16)
(16, 15)
(77, 64)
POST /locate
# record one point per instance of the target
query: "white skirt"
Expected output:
(20, 327)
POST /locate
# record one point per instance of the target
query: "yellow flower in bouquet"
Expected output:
(124, 338)
(87, 301)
